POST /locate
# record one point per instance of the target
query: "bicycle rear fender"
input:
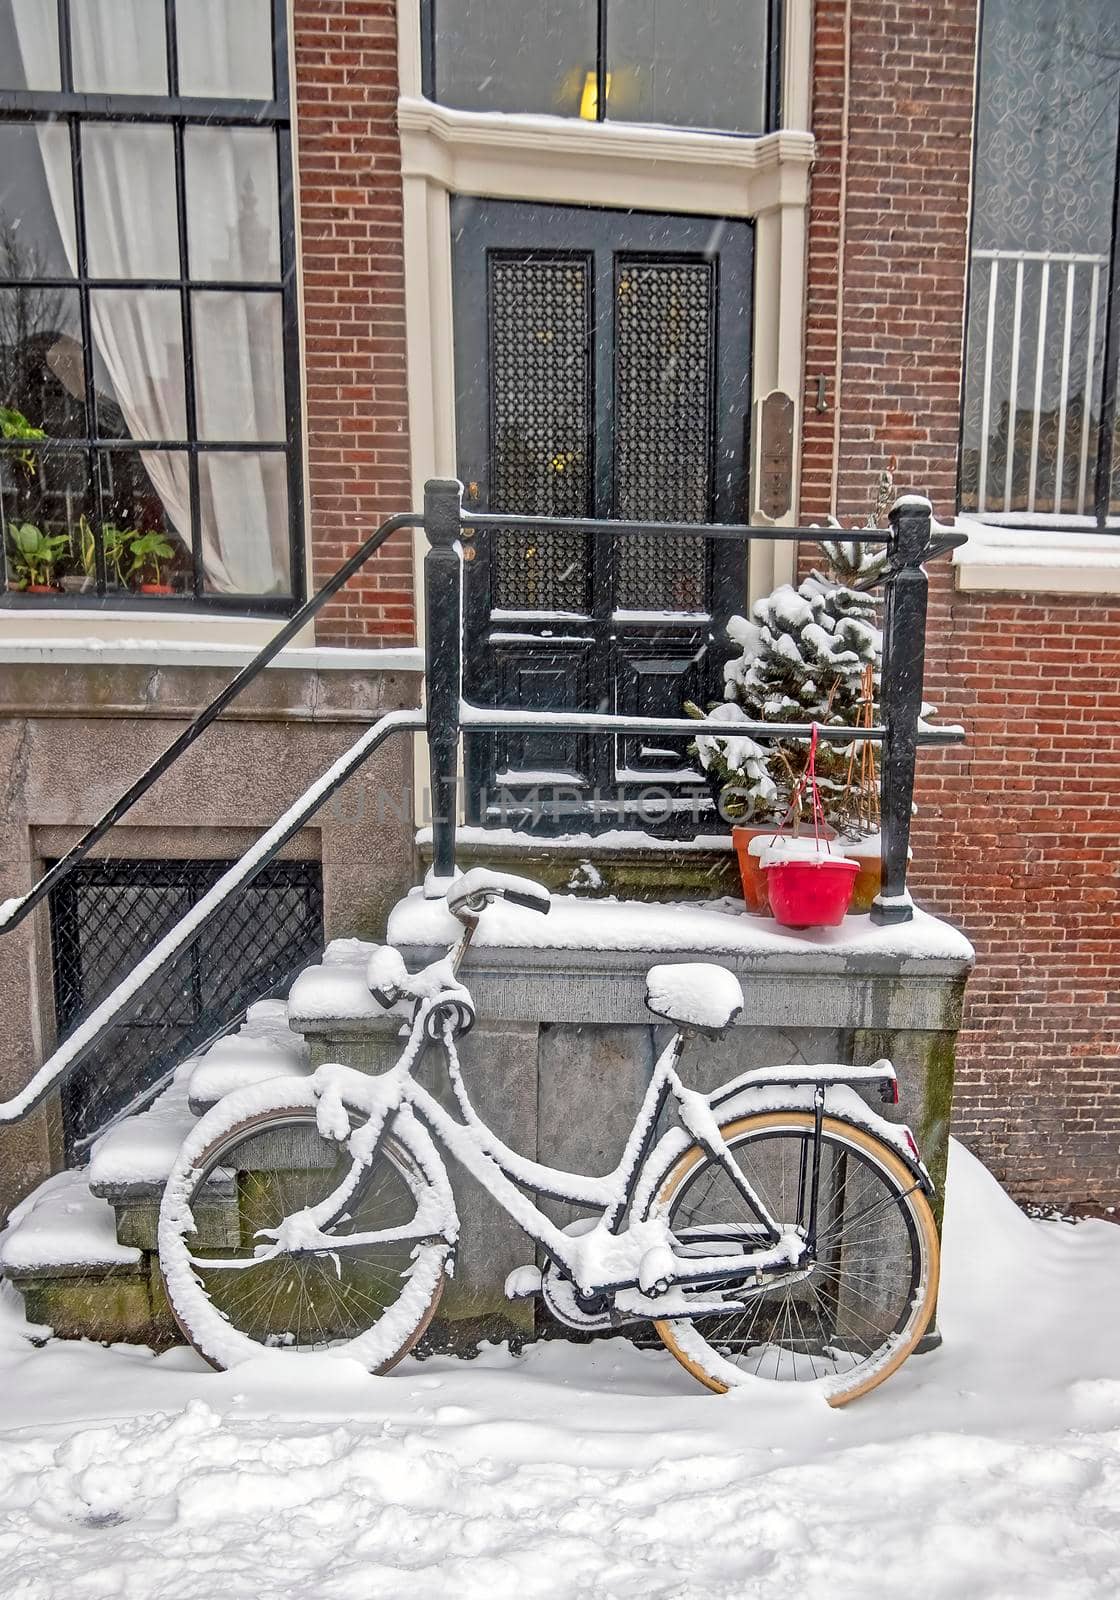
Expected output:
(787, 1089)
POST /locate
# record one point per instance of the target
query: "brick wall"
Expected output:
(1015, 844)
(1019, 846)
(909, 142)
(353, 309)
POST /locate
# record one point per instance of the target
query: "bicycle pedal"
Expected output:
(656, 1270)
(523, 1283)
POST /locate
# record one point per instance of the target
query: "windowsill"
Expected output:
(149, 650)
(1053, 556)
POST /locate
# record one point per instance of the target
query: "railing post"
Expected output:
(443, 588)
(904, 651)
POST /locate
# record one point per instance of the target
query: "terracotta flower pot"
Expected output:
(866, 853)
(41, 588)
(750, 872)
(752, 876)
(156, 588)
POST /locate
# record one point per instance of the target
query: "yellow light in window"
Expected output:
(589, 99)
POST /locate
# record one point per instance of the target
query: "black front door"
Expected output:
(602, 364)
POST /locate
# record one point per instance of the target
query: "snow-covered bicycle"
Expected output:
(778, 1227)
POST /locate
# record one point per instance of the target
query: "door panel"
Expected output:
(602, 369)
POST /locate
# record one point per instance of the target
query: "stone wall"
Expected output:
(563, 1049)
(72, 739)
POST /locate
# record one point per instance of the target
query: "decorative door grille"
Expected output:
(541, 402)
(663, 427)
(109, 913)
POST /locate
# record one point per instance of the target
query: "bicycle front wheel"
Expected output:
(236, 1295)
(868, 1298)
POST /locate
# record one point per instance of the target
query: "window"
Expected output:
(254, 946)
(1038, 437)
(708, 64)
(148, 346)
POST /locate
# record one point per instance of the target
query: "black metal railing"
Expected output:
(910, 541)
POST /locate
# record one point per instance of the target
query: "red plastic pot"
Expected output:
(811, 894)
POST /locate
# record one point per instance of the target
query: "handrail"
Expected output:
(77, 1045)
(12, 912)
(738, 532)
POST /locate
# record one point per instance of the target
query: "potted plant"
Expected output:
(14, 425)
(33, 555)
(148, 550)
(83, 548)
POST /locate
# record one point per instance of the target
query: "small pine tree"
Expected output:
(803, 657)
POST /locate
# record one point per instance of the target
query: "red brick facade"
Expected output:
(1014, 844)
(353, 309)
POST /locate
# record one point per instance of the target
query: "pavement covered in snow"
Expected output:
(989, 1470)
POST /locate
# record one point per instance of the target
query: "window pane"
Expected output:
(36, 201)
(131, 222)
(42, 507)
(1045, 159)
(139, 335)
(239, 366)
(42, 372)
(225, 48)
(244, 501)
(29, 44)
(145, 507)
(233, 228)
(701, 65)
(119, 46)
(515, 55)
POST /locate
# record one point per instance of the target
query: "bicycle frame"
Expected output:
(607, 1258)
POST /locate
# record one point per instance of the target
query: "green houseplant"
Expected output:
(148, 550)
(33, 555)
(14, 425)
(83, 548)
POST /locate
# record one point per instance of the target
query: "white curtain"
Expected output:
(132, 232)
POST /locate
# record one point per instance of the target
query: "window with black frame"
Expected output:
(149, 366)
(705, 64)
(1039, 444)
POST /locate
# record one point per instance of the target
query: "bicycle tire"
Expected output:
(719, 1350)
(370, 1304)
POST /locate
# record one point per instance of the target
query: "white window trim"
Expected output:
(1058, 559)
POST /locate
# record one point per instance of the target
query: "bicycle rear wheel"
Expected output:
(236, 1295)
(870, 1295)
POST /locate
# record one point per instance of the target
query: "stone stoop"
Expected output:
(556, 1064)
(82, 1248)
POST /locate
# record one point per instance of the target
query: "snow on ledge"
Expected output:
(717, 928)
(205, 653)
(62, 1225)
(1050, 555)
(623, 839)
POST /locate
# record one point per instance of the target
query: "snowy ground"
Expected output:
(988, 1471)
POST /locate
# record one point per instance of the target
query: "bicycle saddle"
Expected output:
(473, 891)
(695, 994)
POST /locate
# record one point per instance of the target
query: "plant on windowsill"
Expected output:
(33, 556)
(148, 550)
(83, 550)
(14, 425)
